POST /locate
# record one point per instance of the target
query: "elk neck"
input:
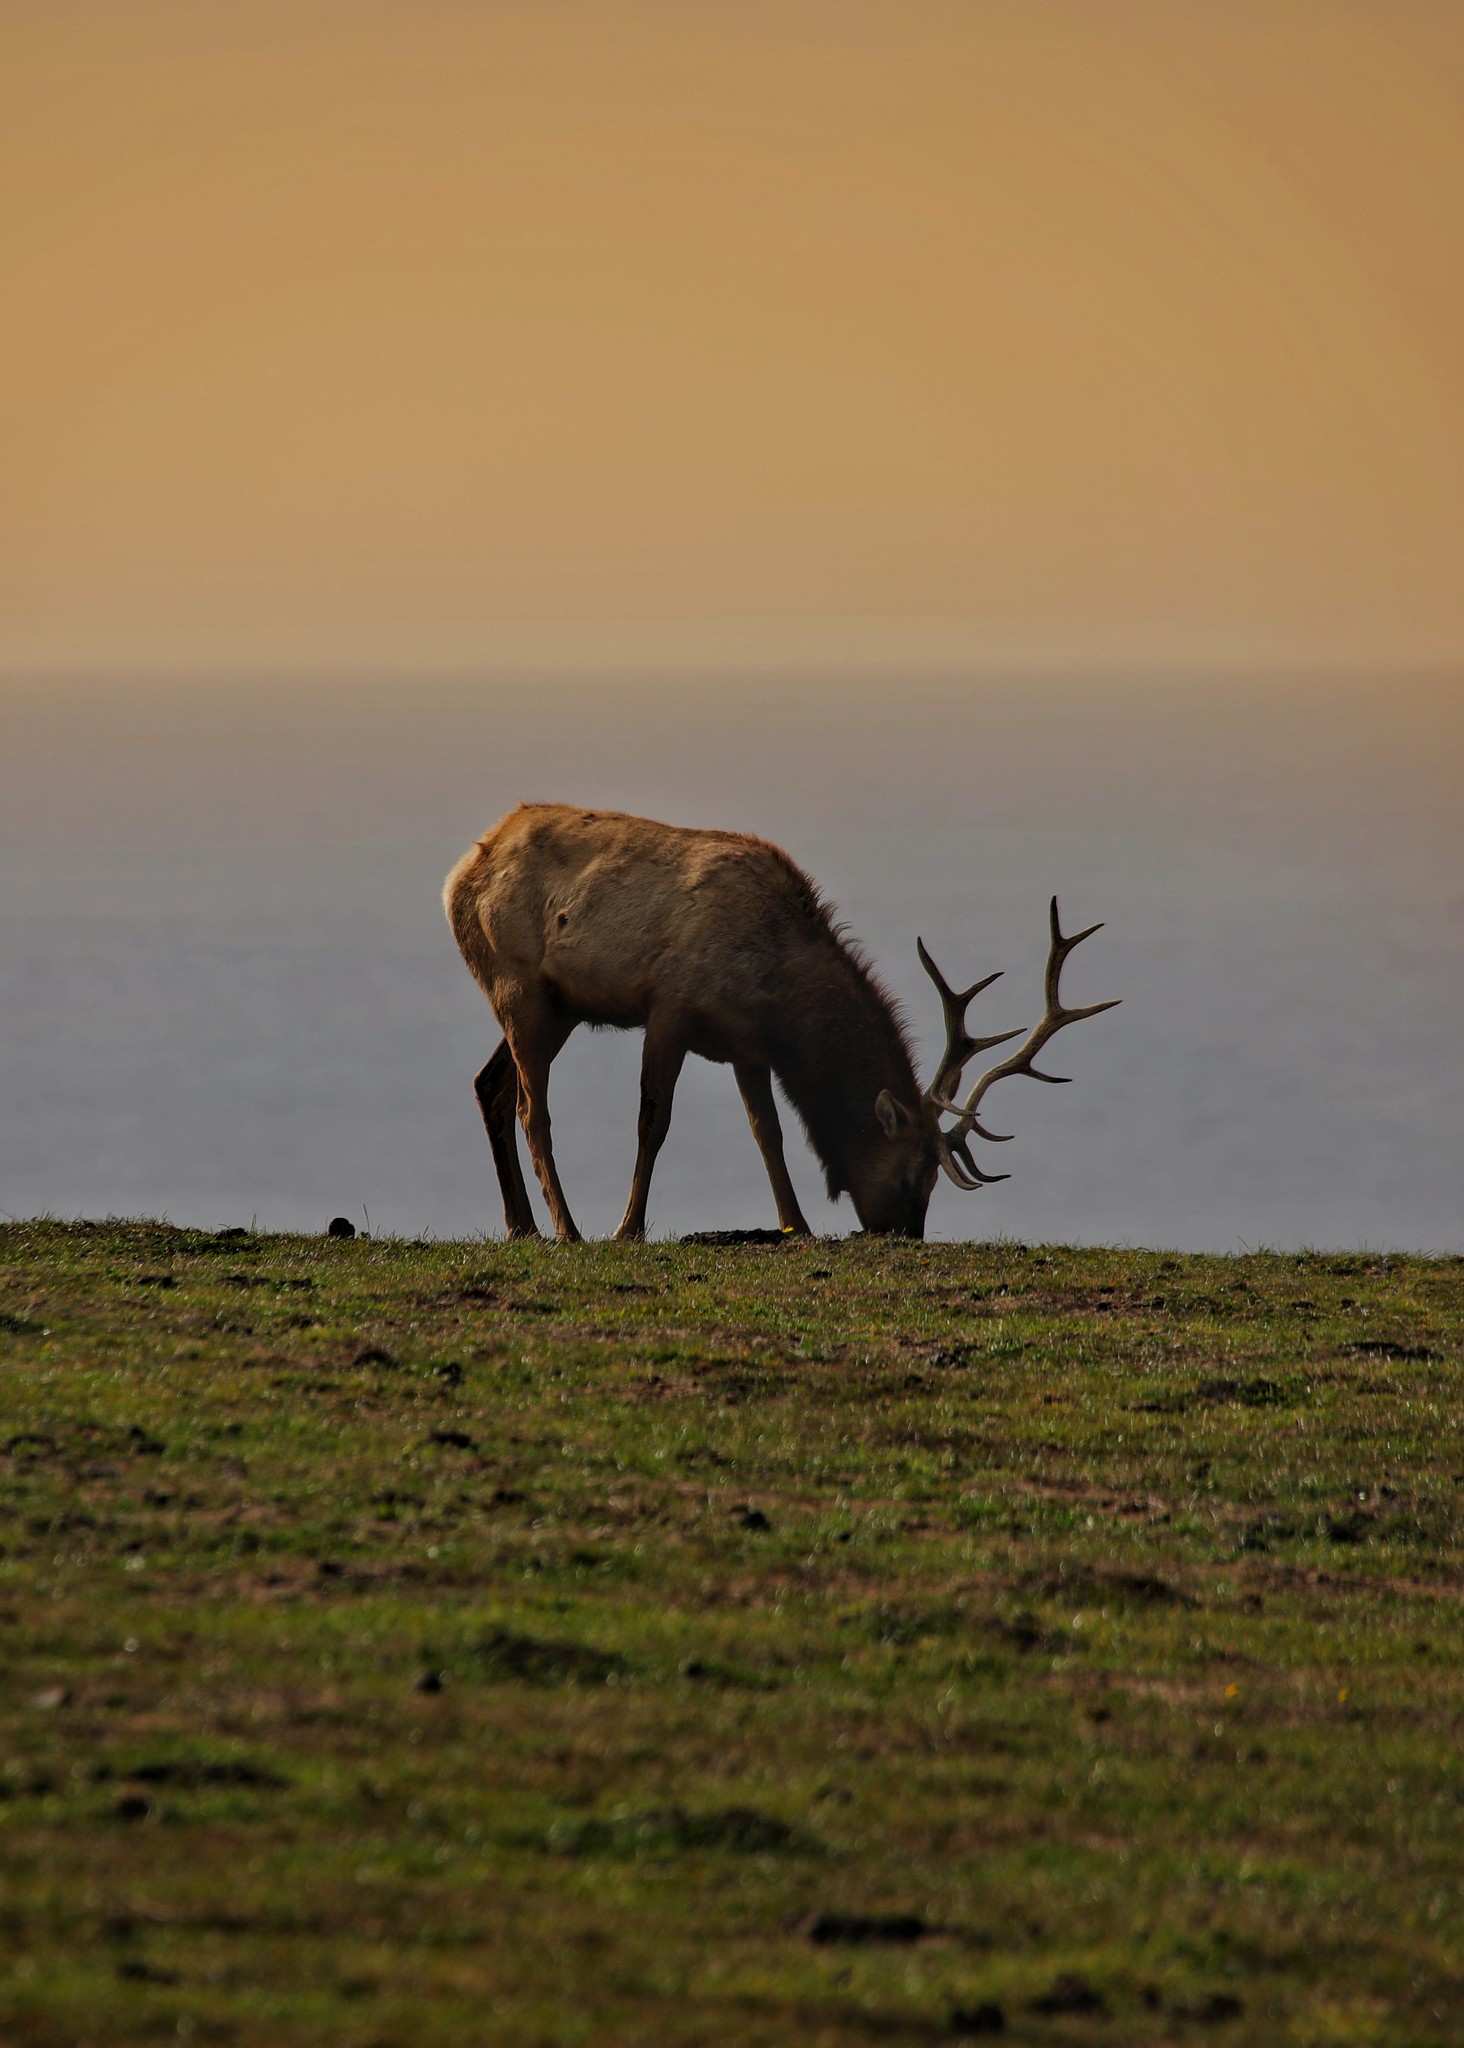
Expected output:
(836, 1048)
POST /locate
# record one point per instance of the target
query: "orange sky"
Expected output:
(984, 330)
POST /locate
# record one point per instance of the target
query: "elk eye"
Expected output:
(563, 919)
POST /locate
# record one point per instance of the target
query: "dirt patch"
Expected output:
(1070, 1994)
(1259, 1392)
(1109, 1588)
(192, 1775)
(1392, 1347)
(736, 1237)
(671, 1830)
(864, 1930)
(505, 1656)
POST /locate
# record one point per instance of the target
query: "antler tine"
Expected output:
(961, 1048)
(1055, 1018)
(948, 995)
(958, 1165)
(971, 1123)
(1057, 955)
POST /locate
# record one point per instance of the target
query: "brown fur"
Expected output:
(713, 943)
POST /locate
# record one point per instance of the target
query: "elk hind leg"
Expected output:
(756, 1084)
(661, 1063)
(497, 1090)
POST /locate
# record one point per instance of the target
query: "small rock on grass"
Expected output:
(340, 1226)
(49, 1697)
(751, 1518)
(427, 1681)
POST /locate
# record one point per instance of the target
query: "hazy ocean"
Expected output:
(227, 992)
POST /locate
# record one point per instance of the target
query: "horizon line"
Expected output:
(807, 646)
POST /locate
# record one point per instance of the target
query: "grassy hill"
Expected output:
(852, 1642)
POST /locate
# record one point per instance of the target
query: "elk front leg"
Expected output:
(497, 1089)
(756, 1084)
(661, 1063)
(535, 1039)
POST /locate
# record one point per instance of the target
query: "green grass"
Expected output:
(821, 1643)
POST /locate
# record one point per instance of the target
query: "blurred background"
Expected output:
(988, 451)
(229, 990)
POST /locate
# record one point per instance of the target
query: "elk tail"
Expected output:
(460, 901)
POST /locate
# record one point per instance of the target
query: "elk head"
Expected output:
(898, 1187)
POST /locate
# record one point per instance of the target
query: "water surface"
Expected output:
(227, 992)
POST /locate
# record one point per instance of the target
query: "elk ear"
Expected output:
(891, 1113)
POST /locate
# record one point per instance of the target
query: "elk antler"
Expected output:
(953, 1148)
(956, 1161)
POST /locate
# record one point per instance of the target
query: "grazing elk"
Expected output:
(716, 944)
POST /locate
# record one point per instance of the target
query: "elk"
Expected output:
(715, 943)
